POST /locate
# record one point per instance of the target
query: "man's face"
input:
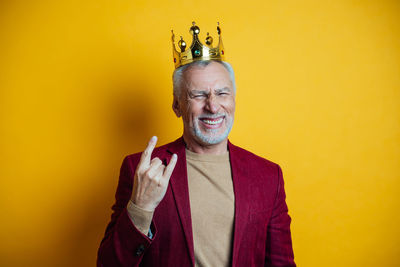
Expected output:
(206, 104)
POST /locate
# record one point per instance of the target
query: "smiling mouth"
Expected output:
(212, 122)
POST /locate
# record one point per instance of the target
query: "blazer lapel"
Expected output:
(240, 188)
(180, 191)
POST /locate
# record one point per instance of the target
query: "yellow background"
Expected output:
(84, 83)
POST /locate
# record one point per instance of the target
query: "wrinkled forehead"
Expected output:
(210, 77)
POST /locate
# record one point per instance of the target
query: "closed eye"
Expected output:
(223, 91)
(199, 95)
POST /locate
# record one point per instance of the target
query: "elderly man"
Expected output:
(200, 200)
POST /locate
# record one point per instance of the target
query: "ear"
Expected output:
(176, 107)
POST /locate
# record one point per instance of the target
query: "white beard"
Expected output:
(212, 137)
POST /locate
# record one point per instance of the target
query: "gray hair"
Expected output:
(178, 74)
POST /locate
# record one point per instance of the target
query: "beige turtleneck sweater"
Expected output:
(212, 207)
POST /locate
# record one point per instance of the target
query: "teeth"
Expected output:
(213, 122)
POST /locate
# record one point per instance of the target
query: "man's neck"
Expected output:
(216, 149)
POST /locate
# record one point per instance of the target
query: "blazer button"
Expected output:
(140, 250)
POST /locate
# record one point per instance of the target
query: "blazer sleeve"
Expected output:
(279, 243)
(123, 244)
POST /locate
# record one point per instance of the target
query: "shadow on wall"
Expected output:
(127, 128)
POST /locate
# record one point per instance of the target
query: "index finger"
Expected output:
(146, 155)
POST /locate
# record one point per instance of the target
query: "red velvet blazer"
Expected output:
(261, 228)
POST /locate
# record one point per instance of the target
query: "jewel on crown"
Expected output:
(197, 51)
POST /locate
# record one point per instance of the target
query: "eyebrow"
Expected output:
(206, 92)
(197, 91)
(222, 90)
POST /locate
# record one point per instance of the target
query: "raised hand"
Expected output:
(151, 178)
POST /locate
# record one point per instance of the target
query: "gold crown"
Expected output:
(197, 50)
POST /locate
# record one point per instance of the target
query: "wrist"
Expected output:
(141, 218)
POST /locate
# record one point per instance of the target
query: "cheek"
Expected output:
(188, 113)
(230, 106)
(194, 109)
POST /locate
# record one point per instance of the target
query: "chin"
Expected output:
(209, 138)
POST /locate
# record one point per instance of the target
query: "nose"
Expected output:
(212, 104)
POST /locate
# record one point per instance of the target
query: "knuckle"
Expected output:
(138, 175)
(139, 171)
(161, 183)
(143, 172)
(147, 174)
(156, 160)
(154, 180)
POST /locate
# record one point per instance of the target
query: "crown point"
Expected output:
(194, 30)
(209, 39)
(173, 36)
(182, 44)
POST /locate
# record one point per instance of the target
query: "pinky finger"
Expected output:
(170, 167)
